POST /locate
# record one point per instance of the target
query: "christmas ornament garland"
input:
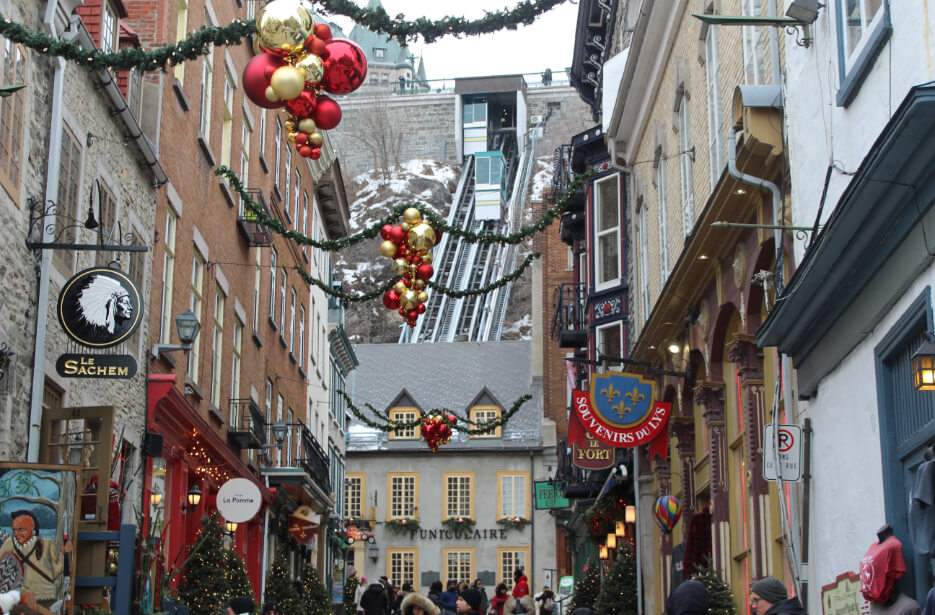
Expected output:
(408, 244)
(296, 60)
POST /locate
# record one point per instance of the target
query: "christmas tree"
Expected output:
(618, 591)
(204, 585)
(238, 581)
(587, 589)
(350, 590)
(719, 594)
(279, 586)
(317, 600)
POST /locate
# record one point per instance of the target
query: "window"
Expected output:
(405, 415)
(304, 227)
(168, 276)
(288, 173)
(256, 290)
(459, 564)
(475, 111)
(302, 336)
(292, 321)
(402, 489)
(195, 303)
(283, 283)
(643, 230)
(217, 347)
(354, 490)
(107, 218)
(488, 170)
(483, 414)
(280, 414)
(207, 76)
(402, 564)
(312, 336)
(863, 28)
(181, 33)
(685, 168)
(712, 54)
(379, 54)
(11, 119)
(607, 231)
(236, 358)
(262, 134)
(662, 201)
(272, 285)
(137, 272)
(68, 193)
(755, 40)
(512, 495)
(227, 126)
(278, 138)
(457, 495)
(109, 40)
(610, 341)
(511, 559)
(295, 201)
(269, 400)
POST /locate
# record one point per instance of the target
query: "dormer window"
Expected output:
(109, 28)
(378, 53)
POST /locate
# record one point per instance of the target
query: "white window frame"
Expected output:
(273, 255)
(283, 284)
(643, 230)
(207, 82)
(599, 336)
(278, 157)
(227, 124)
(217, 347)
(302, 317)
(236, 358)
(868, 24)
(168, 276)
(712, 49)
(292, 320)
(110, 27)
(755, 41)
(181, 33)
(195, 304)
(663, 203)
(613, 232)
(285, 194)
(685, 168)
(295, 201)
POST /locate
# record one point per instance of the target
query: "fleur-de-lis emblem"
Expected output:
(620, 409)
(635, 396)
(610, 393)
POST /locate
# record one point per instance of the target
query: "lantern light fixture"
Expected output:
(231, 527)
(603, 552)
(621, 529)
(193, 497)
(611, 541)
(922, 364)
(630, 514)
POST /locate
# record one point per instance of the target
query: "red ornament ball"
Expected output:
(256, 78)
(304, 150)
(421, 308)
(345, 68)
(385, 231)
(391, 300)
(303, 105)
(322, 31)
(397, 234)
(301, 139)
(316, 153)
(317, 46)
(425, 272)
(327, 113)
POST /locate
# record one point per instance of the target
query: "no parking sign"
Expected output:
(789, 453)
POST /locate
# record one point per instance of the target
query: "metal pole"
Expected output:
(639, 533)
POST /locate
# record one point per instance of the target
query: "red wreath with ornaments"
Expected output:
(297, 59)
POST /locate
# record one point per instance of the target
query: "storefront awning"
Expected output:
(865, 250)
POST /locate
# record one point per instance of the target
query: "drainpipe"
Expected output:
(532, 521)
(48, 235)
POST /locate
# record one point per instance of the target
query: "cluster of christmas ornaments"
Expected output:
(408, 244)
(437, 431)
(296, 60)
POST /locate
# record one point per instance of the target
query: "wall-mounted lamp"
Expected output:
(155, 498)
(791, 24)
(603, 552)
(630, 514)
(805, 11)
(621, 529)
(279, 434)
(611, 541)
(231, 528)
(193, 497)
(923, 365)
(373, 552)
(187, 326)
(674, 348)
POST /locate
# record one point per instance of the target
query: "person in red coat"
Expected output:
(499, 599)
(520, 584)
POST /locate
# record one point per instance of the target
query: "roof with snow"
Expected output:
(395, 55)
(453, 376)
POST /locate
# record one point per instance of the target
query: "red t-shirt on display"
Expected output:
(880, 567)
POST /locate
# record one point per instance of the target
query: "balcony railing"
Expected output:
(247, 426)
(569, 321)
(257, 234)
(300, 450)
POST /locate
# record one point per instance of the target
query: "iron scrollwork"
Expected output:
(51, 228)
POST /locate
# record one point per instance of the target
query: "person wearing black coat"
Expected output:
(435, 593)
(768, 596)
(374, 600)
(689, 598)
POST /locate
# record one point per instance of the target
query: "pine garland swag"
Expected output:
(402, 526)
(586, 589)
(514, 523)
(464, 525)
(720, 596)
(618, 591)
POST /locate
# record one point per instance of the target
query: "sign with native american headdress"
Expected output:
(100, 307)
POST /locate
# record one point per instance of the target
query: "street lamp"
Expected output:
(193, 497)
(805, 11)
(621, 529)
(187, 326)
(923, 365)
(373, 551)
(279, 434)
(231, 528)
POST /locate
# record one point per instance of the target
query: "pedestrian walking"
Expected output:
(468, 603)
(689, 598)
(546, 598)
(241, 605)
(270, 607)
(374, 601)
(499, 599)
(416, 604)
(520, 584)
(359, 593)
(449, 597)
(479, 586)
(435, 593)
(768, 596)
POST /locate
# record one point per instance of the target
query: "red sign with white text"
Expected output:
(641, 433)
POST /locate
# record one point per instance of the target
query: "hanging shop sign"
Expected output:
(592, 454)
(843, 596)
(550, 495)
(303, 525)
(119, 366)
(100, 307)
(619, 410)
(239, 500)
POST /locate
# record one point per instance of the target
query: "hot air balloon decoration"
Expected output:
(668, 511)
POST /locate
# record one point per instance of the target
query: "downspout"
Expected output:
(48, 236)
(532, 521)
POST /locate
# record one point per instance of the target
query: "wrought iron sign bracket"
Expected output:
(45, 220)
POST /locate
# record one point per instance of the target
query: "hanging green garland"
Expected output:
(200, 42)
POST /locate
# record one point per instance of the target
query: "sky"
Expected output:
(547, 43)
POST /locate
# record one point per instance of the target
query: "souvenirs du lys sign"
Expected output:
(620, 411)
(98, 308)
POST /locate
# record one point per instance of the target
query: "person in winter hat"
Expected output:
(519, 606)
(499, 598)
(520, 584)
(689, 598)
(479, 586)
(241, 605)
(359, 593)
(448, 597)
(271, 607)
(374, 600)
(768, 596)
(468, 602)
(416, 604)
(435, 593)
(547, 598)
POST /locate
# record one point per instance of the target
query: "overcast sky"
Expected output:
(547, 43)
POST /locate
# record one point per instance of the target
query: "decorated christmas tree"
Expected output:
(279, 586)
(350, 590)
(317, 600)
(587, 588)
(238, 581)
(719, 593)
(618, 591)
(204, 585)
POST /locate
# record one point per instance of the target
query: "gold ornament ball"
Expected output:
(388, 249)
(315, 138)
(287, 82)
(410, 299)
(283, 26)
(289, 124)
(311, 67)
(271, 94)
(405, 226)
(419, 284)
(400, 287)
(256, 46)
(427, 257)
(423, 296)
(422, 236)
(291, 136)
(412, 216)
(307, 125)
(400, 265)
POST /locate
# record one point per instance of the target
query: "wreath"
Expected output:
(514, 523)
(460, 524)
(402, 526)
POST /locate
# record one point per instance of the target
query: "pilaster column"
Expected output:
(683, 429)
(710, 395)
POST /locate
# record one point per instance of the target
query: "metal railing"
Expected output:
(248, 425)
(570, 314)
(257, 234)
(299, 450)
